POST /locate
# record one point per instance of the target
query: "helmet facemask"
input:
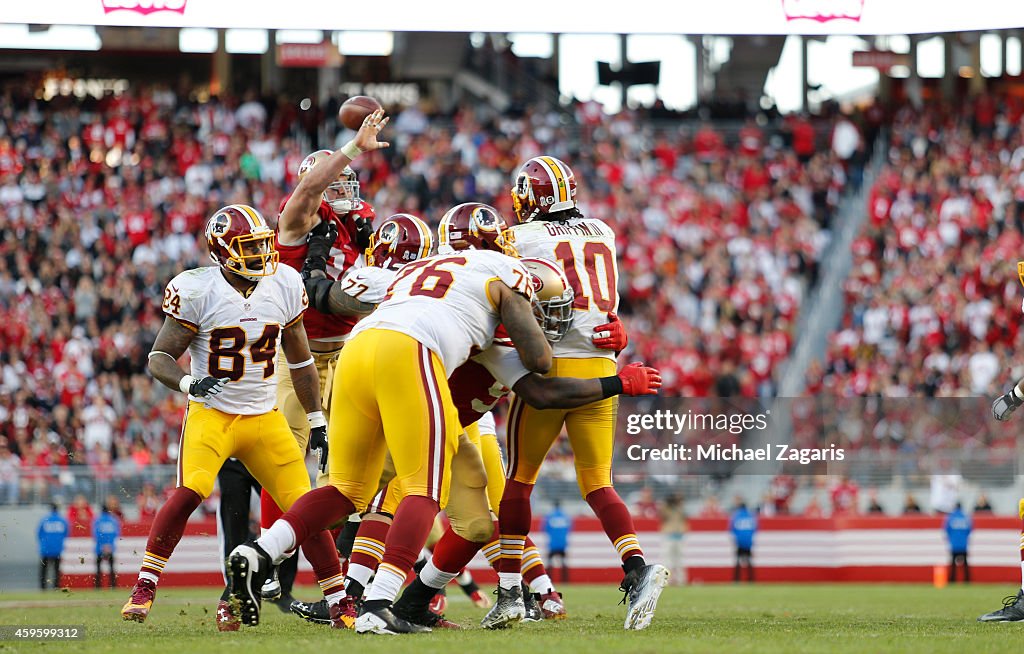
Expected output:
(252, 256)
(343, 194)
(555, 315)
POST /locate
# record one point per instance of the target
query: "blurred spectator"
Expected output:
(10, 463)
(674, 526)
(945, 489)
(844, 496)
(958, 528)
(910, 505)
(813, 509)
(711, 508)
(981, 505)
(52, 532)
(781, 490)
(646, 506)
(106, 530)
(873, 505)
(148, 503)
(113, 506)
(557, 526)
(743, 525)
(80, 516)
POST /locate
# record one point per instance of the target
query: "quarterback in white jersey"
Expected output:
(232, 318)
(552, 227)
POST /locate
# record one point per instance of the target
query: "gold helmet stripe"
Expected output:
(557, 178)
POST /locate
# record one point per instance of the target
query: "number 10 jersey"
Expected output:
(236, 337)
(585, 249)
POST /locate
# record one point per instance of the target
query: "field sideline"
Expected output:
(714, 618)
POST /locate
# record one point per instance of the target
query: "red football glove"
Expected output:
(611, 335)
(638, 379)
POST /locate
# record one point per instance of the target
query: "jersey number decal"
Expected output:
(432, 280)
(172, 302)
(226, 344)
(603, 298)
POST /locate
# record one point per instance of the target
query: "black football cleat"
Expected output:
(248, 567)
(315, 612)
(533, 610)
(383, 621)
(643, 587)
(1012, 611)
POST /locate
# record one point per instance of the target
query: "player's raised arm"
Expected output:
(171, 342)
(300, 212)
(1008, 402)
(306, 381)
(517, 317)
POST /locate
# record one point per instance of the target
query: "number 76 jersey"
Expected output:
(585, 249)
(236, 337)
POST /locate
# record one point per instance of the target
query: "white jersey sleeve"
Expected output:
(368, 284)
(444, 302)
(585, 250)
(504, 364)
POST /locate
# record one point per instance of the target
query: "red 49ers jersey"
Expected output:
(475, 391)
(344, 255)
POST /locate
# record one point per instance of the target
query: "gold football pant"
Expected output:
(288, 401)
(262, 442)
(391, 394)
(591, 429)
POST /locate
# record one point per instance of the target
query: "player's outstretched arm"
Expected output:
(517, 317)
(1008, 402)
(306, 381)
(570, 392)
(300, 212)
(171, 342)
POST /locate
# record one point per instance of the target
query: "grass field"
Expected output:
(720, 618)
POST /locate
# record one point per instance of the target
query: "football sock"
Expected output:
(167, 529)
(616, 521)
(514, 520)
(413, 520)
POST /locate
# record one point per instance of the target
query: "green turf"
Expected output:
(732, 619)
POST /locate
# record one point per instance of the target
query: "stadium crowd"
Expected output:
(103, 200)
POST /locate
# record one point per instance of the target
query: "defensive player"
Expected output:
(325, 200)
(551, 227)
(392, 394)
(232, 318)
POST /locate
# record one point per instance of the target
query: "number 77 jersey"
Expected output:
(585, 249)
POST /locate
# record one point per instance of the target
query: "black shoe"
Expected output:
(284, 602)
(383, 621)
(508, 610)
(1012, 611)
(533, 612)
(315, 612)
(271, 590)
(422, 616)
(248, 567)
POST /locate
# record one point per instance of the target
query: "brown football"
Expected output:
(355, 109)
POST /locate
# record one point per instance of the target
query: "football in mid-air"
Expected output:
(355, 109)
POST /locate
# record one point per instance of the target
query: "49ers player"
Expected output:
(232, 319)
(552, 228)
(326, 199)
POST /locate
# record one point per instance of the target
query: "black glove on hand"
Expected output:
(318, 438)
(364, 230)
(206, 387)
(319, 243)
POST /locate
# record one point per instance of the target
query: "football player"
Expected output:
(232, 319)
(551, 227)
(1002, 409)
(325, 200)
(391, 393)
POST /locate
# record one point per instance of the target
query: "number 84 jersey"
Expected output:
(236, 337)
(585, 249)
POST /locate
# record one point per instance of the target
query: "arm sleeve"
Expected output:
(503, 363)
(296, 300)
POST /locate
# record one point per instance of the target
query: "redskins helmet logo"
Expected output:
(219, 226)
(389, 232)
(484, 220)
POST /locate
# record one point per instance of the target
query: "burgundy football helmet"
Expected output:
(544, 185)
(472, 226)
(400, 239)
(241, 242)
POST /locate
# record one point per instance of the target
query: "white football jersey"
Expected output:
(585, 249)
(504, 364)
(486, 424)
(368, 284)
(442, 302)
(236, 337)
